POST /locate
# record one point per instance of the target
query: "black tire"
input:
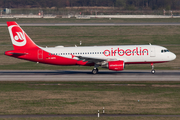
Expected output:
(153, 71)
(95, 71)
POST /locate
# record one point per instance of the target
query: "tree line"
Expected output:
(122, 4)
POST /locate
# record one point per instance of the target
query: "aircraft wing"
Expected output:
(91, 59)
(94, 59)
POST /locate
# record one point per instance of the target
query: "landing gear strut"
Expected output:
(95, 71)
(152, 66)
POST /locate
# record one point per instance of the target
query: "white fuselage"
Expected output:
(131, 54)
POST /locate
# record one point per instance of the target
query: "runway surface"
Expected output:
(96, 24)
(84, 75)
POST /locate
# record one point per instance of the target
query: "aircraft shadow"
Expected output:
(66, 72)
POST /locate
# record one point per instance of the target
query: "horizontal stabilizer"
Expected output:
(19, 53)
(10, 53)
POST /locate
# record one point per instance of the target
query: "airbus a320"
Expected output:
(111, 57)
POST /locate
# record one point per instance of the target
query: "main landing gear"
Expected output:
(95, 71)
(152, 66)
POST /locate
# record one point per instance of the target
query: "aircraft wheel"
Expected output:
(152, 71)
(95, 71)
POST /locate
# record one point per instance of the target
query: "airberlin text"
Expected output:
(128, 52)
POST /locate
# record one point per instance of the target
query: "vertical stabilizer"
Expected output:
(19, 38)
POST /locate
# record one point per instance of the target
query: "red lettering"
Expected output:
(144, 51)
(119, 52)
(137, 51)
(111, 51)
(107, 53)
(128, 52)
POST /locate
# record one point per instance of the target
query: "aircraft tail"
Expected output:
(19, 38)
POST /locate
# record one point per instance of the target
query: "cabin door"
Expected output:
(152, 52)
(40, 54)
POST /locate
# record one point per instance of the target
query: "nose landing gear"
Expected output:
(152, 71)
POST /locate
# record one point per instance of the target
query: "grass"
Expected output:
(96, 118)
(88, 97)
(167, 36)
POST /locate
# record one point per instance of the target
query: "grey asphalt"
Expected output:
(86, 75)
(96, 24)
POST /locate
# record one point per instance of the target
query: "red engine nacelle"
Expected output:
(116, 65)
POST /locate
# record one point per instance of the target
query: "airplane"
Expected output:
(112, 57)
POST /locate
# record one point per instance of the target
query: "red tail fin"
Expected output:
(19, 38)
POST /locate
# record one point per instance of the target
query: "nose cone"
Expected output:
(172, 56)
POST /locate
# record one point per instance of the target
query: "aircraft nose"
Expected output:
(173, 56)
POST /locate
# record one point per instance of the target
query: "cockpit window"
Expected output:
(163, 51)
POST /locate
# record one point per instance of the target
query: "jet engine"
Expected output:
(114, 65)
